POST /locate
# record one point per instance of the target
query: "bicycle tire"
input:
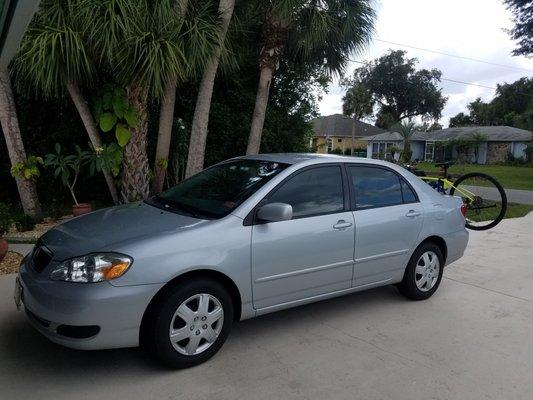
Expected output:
(500, 216)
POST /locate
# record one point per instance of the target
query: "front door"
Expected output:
(312, 253)
(388, 219)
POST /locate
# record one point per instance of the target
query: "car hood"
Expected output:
(105, 229)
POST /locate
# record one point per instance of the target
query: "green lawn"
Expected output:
(509, 177)
(513, 211)
(517, 210)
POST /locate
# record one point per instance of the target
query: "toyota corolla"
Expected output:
(245, 237)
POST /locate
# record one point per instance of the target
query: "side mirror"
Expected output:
(274, 212)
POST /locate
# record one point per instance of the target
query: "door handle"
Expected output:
(412, 214)
(342, 224)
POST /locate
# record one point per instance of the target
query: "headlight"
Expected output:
(92, 268)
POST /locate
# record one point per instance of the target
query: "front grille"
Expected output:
(41, 257)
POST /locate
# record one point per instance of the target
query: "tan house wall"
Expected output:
(338, 142)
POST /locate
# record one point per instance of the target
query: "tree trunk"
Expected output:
(195, 159)
(261, 102)
(136, 168)
(166, 118)
(15, 147)
(274, 37)
(92, 131)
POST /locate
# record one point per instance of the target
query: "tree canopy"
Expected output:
(512, 106)
(523, 31)
(398, 89)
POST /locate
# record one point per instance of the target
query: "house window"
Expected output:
(339, 140)
(380, 150)
(430, 151)
(329, 145)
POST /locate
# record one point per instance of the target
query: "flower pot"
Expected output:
(3, 248)
(81, 208)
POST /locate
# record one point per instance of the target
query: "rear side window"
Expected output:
(409, 195)
(375, 187)
(312, 192)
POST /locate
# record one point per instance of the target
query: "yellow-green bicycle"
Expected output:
(483, 196)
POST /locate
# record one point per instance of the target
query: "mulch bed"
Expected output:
(10, 264)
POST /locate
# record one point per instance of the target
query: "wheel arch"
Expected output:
(440, 242)
(215, 275)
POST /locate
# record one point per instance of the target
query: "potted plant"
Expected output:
(68, 168)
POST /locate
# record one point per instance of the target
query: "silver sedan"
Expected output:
(245, 237)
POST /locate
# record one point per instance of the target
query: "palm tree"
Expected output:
(406, 131)
(477, 139)
(201, 38)
(15, 146)
(195, 161)
(328, 32)
(140, 42)
(54, 57)
(357, 102)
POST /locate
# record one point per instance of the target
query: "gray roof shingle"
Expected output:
(493, 133)
(340, 125)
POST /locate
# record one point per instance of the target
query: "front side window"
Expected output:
(375, 187)
(312, 192)
(218, 190)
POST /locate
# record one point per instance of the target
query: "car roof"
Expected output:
(309, 158)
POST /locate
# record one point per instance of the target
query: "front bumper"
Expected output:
(63, 310)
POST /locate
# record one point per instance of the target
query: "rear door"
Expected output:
(388, 218)
(311, 254)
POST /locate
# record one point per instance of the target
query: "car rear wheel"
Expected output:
(189, 324)
(423, 273)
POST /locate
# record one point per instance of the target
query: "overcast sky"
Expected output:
(468, 28)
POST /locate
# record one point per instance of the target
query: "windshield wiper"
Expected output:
(174, 205)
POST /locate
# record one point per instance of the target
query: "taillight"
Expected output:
(463, 210)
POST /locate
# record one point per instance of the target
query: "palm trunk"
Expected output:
(15, 147)
(274, 34)
(92, 131)
(166, 118)
(200, 122)
(261, 102)
(136, 168)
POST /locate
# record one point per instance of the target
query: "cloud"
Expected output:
(473, 28)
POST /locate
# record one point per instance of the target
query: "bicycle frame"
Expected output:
(445, 185)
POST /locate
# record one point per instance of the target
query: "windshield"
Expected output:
(218, 190)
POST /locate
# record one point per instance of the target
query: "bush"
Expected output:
(23, 222)
(5, 218)
(515, 161)
(336, 151)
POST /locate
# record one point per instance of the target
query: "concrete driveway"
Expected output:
(472, 340)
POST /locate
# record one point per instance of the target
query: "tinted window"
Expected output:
(312, 192)
(375, 187)
(218, 190)
(408, 195)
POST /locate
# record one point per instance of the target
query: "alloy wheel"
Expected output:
(196, 324)
(427, 271)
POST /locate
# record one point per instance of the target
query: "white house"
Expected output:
(439, 145)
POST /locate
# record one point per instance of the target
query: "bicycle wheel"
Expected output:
(484, 198)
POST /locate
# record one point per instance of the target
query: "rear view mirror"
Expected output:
(274, 212)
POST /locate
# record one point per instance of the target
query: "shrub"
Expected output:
(23, 222)
(336, 151)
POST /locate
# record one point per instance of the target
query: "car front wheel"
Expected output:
(189, 324)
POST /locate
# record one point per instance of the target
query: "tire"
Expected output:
(195, 331)
(495, 221)
(409, 287)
